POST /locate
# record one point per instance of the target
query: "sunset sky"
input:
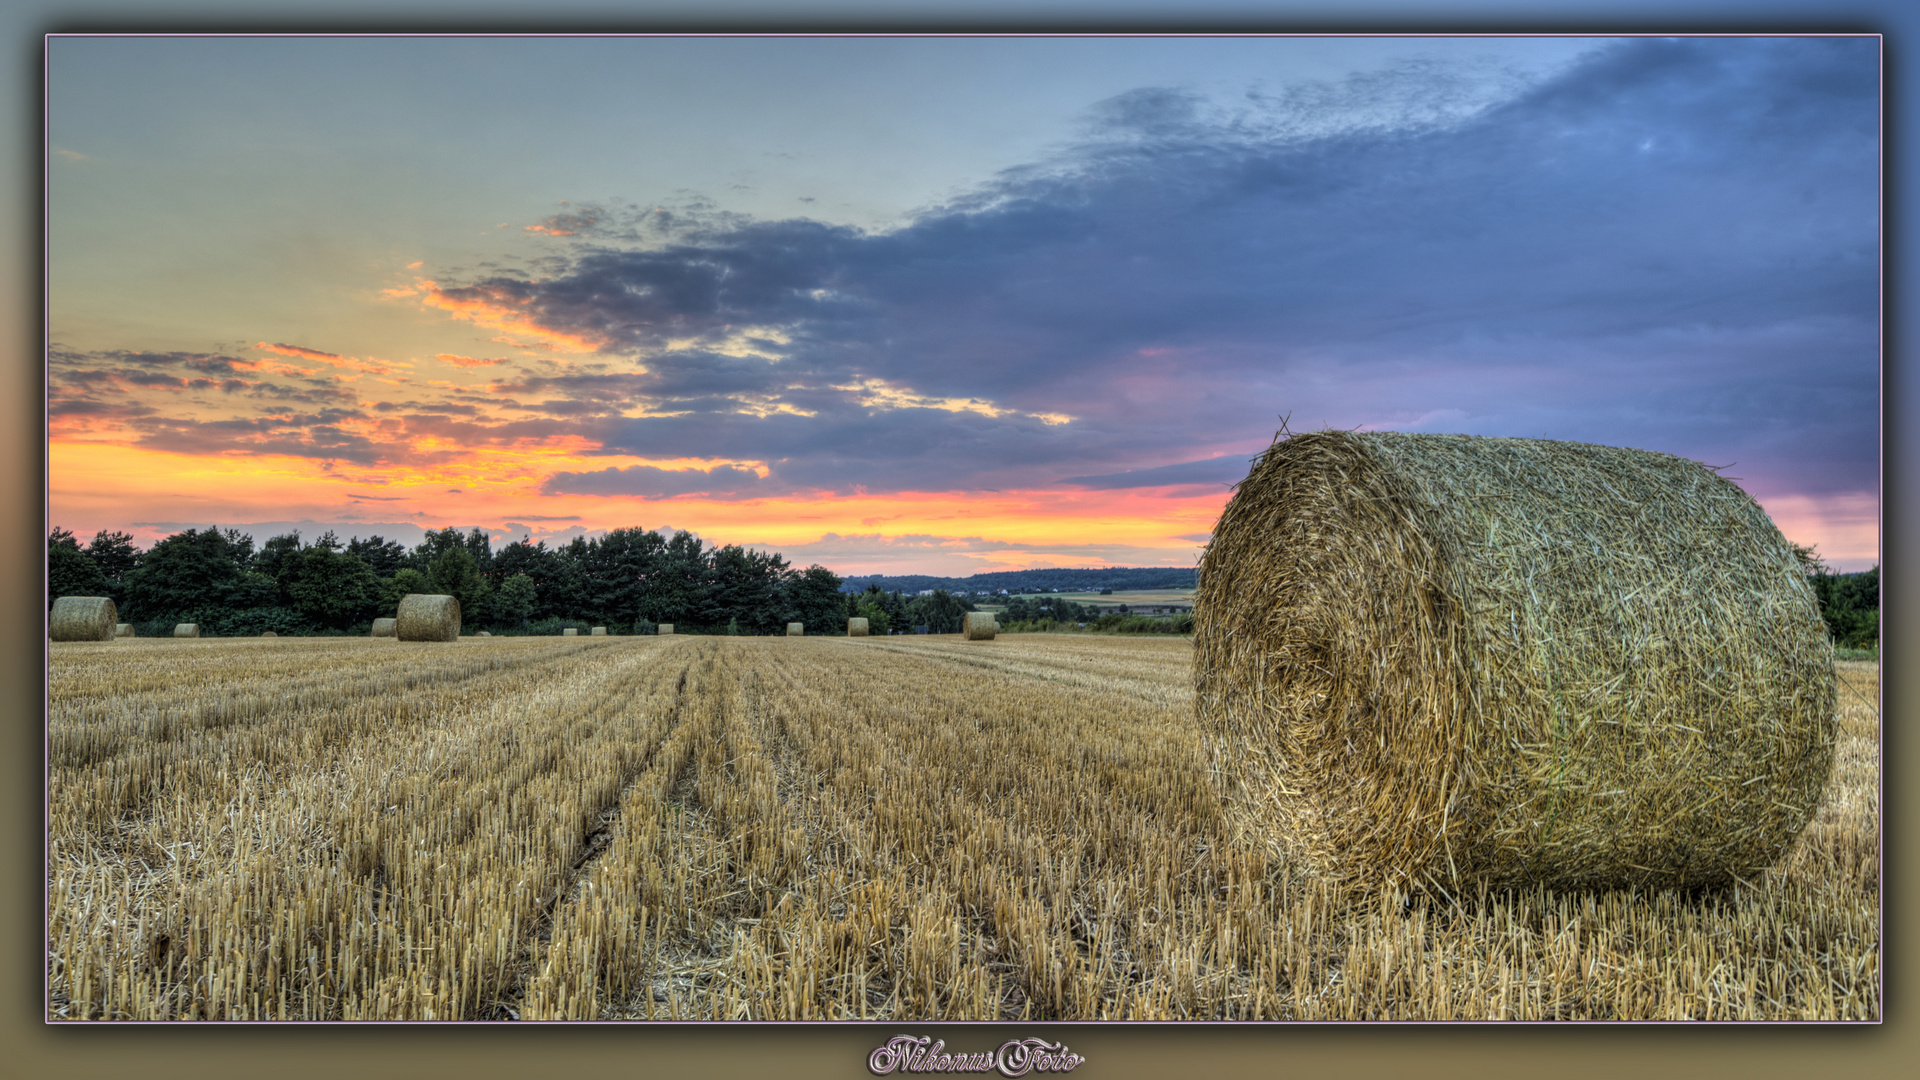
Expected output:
(937, 305)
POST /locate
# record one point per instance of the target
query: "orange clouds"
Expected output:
(331, 359)
(496, 310)
(466, 361)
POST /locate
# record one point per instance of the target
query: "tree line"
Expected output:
(629, 580)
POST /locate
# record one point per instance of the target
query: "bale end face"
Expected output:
(1450, 660)
(427, 617)
(666, 628)
(795, 629)
(82, 618)
(856, 628)
(383, 628)
(979, 626)
(186, 629)
(599, 631)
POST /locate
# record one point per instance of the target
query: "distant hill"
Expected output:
(1019, 581)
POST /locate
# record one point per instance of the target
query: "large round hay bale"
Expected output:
(856, 627)
(666, 628)
(1439, 660)
(979, 626)
(383, 627)
(599, 631)
(427, 617)
(795, 629)
(569, 632)
(124, 629)
(186, 629)
(82, 618)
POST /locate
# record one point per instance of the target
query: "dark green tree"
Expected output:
(194, 576)
(453, 573)
(513, 601)
(814, 597)
(404, 582)
(69, 571)
(330, 587)
(384, 557)
(115, 555)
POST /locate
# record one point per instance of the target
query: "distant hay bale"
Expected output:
(1443, 660)
(666, 628)
(268, 633)
(427, 617)
(483, 633)
(599, 631)
(82, 618)
(856, 627)
(124, 629)
(186, 629)
(383, 628)
(569, 632)
(979, 626)
(795, 629)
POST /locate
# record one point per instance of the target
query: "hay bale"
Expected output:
(569, 632)
(979, 626)
(856, 627)
(483, 633)
(795, 629)
(427, 617)
(124, 629)
(666, 628)
(1441, 660)
(82, 618)
(186, 629)
(383, 628)
(268, 633)
(599, 631)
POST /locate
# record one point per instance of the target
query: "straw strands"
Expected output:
(1443, 660)
(980, 626)
(82, 618)
(427, 617)
(856, 627)
(733, 828)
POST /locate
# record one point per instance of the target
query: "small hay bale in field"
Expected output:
(856, 627)
(569, 632)
(268, 633)
(599, 631)
(82, 618)
(186, 629)
(427, 617)
(483, 633)
(1441, 660)
(383, 627)
(124, 629)
(979, 626)
(795, 629)
(666, 628)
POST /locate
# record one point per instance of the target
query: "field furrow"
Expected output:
(812, 828)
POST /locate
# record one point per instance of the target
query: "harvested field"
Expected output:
(744, 828)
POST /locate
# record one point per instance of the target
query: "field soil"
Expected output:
(806, 828)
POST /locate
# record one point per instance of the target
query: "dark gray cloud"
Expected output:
(1672, 244)
(722, 482)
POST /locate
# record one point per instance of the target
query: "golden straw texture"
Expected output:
(427, 617)
(383, 628)
(795, 629)
(82, 618)
(979, 626)
(1437, 660)
(186, 629)
(856, 627)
